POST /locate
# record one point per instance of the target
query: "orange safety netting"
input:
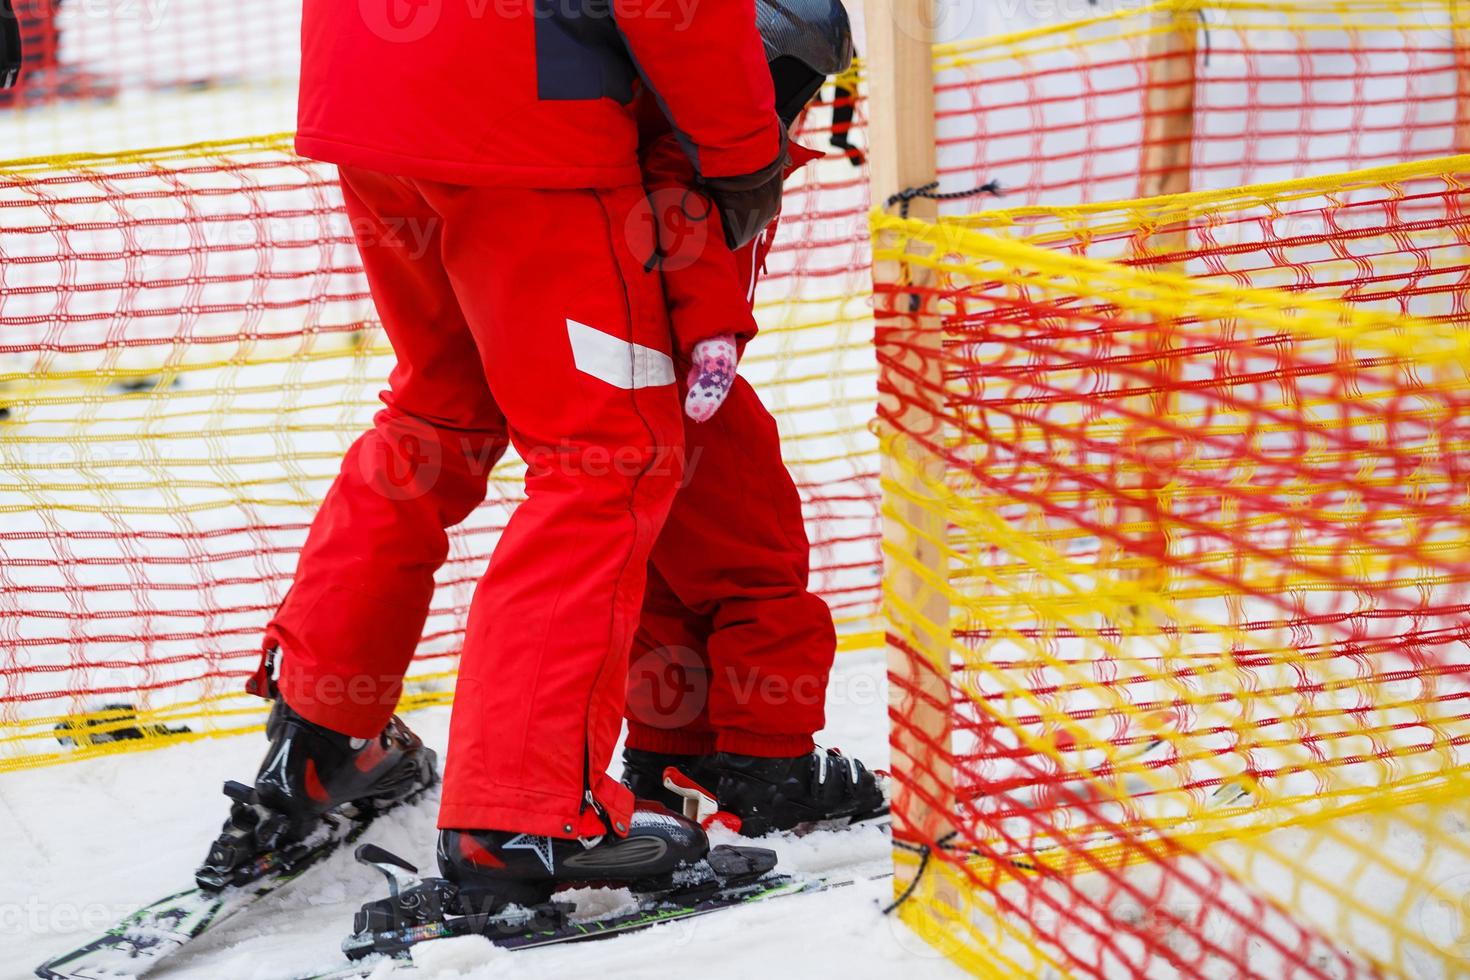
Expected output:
(1182, 660)
(108, 75)
(187, 347)
(1201, 94)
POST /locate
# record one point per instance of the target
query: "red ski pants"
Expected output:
(515, 314)
(733, 651)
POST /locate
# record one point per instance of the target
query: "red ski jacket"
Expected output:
(531, 93)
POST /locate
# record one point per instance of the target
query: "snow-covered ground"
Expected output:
(87, 843)
(83, 844)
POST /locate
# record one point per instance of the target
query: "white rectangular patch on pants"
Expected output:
(618, 362)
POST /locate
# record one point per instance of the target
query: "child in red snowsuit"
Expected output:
(727, 606)
(729, 669)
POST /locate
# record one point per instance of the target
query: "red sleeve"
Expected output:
(705, 64)
(706, 286)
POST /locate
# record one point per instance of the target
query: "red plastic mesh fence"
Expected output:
(1202, 94)
(107, 75)
(187, 348)
(154, 308)
(1196, 469)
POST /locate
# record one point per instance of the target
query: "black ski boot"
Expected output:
(790, 793)
(643, 773)
(310, 769)
(500, 885)
(309, 773)
(494, 868)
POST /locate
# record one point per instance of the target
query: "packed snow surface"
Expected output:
(90, 842)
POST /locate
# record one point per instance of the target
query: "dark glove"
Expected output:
(9, 46)
(748, 203)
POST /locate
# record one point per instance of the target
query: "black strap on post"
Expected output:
(932, 192)
(925, 852)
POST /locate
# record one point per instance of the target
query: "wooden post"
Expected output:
(1460, 38)
(1168, 111)
(901, 154)
(1165, 165)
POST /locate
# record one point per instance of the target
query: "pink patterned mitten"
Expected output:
(711, 376)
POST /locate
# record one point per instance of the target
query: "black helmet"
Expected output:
(806, 41)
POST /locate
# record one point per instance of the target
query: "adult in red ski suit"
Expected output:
(733, 650)
(490, 170)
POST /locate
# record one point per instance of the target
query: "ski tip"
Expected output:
(375, 855)
(45, 972)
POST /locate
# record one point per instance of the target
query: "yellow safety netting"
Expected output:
(1196, 473)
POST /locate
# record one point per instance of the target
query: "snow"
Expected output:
(87, 843)
(90, 842)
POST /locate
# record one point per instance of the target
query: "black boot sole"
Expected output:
(413, 775)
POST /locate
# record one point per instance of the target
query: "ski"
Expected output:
(1087, 762)
(428, 909)
(143, 940)
(1232, 792)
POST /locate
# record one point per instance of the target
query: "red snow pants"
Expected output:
(516, 314)
(732, 652)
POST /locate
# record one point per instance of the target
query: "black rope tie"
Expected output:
(925, 852)
(932, 192)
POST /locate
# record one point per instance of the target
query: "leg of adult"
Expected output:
(574, 340)
(354, 615)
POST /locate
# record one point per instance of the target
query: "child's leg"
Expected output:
(668, 676)
(734, 550)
